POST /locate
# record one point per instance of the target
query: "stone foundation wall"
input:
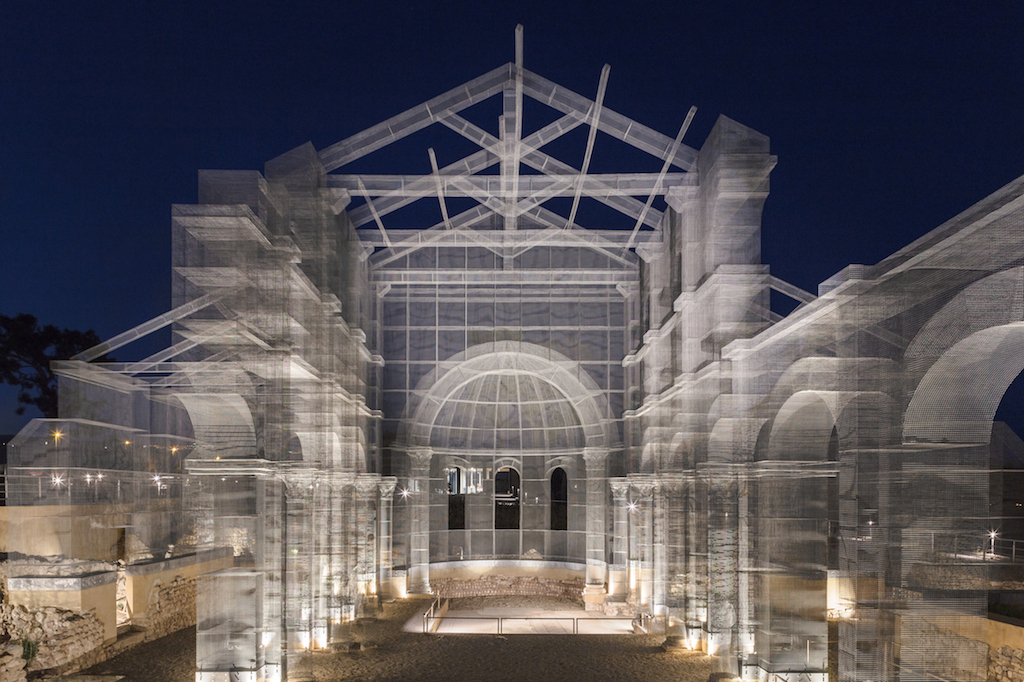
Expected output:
(953, 656)
(70, 641)
(171, 608)
(1006, 665)
(62, 636)
(494, 585)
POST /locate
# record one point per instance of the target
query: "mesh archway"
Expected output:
(506, 396)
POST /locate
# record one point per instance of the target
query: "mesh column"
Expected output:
(596, 460)
(419, 523)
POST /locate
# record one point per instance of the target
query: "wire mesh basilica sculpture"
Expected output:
(568, 374)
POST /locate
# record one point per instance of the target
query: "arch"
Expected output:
(564, 376)
(507, 482)
(958, 396)
(222, 423)
(457, 487)
(802, 428)
(735, 440)
(990, 302)
(559, 513)
(825, 373)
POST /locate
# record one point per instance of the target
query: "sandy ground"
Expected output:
(394, 654)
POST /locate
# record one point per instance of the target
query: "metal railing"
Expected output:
(431, 622)
(429, 616)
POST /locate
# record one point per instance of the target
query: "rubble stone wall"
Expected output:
(495, 585)
(62, 636)
(12, 665)
(1005, 665)
(70, 641)
(171, 608)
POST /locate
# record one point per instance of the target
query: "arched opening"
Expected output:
(559, 500)
(456, 498)
(506, 499)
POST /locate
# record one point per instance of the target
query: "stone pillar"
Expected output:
(596, 460)
(660, 554)
(298, 553)
(744, 604)
(643, 529)
(419, 521)
(366, 526)
(722, 568)
(386, 490)
(618, 575)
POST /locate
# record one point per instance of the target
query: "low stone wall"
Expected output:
(171, 608)
(495, 585)
(1006, 665)
(63, 636)
(70, 641)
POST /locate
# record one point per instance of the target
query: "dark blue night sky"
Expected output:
(887, 118)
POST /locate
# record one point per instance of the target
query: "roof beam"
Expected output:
(661, 177)
(440, 189)
(550, 166)
(595, 116)
(612, 123)
(464, 219)
(595, 184)
(470, 165)
(457, 238)
(376, 216)
(415, 119)
(149, 327)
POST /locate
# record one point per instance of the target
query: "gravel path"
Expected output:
(393, 654)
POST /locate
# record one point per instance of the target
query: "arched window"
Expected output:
(456, 499)
(559, 500)
(506, 499)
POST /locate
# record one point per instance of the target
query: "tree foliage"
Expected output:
(26, 350)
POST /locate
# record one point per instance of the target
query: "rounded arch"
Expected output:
(223, 425)
(734, 440)
(554, 374)
(824, 373)
(962, 361)
(803, 426)
(990, 302)
(957, 398)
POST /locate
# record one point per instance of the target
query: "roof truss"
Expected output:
(510, 198)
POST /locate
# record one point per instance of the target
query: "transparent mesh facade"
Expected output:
(573, 374)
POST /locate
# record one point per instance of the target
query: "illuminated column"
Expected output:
(419, 521)
(666, 485)
(722, 561)
(744, 565)
(596, 460)
(643, 529)
(618, 576)
(298, 606)
(386, 490)
(366, 523)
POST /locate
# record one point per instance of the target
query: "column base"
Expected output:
(594, 597)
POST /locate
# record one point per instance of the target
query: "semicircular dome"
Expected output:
(507, 409)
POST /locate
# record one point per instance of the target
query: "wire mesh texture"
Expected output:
(570, 374)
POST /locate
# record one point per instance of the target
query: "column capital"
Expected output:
(420, 456)
(645, 485)
(366, 484)
(386, 487)
(671, 483)
(595, 457)
(620, 488)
